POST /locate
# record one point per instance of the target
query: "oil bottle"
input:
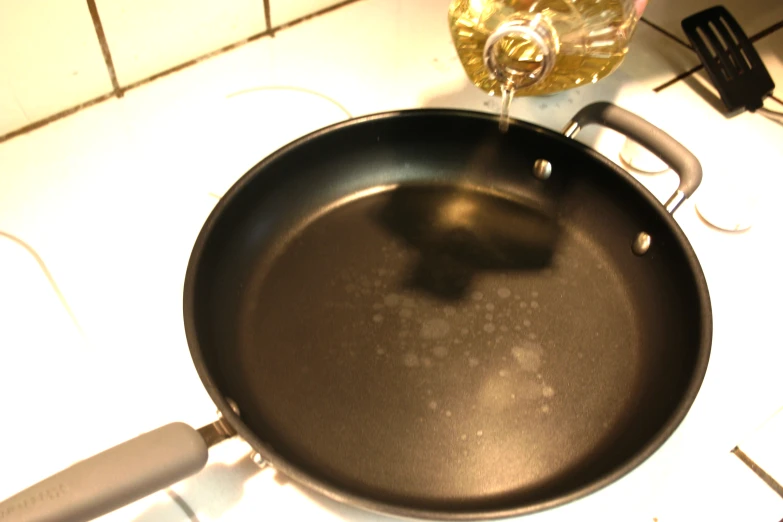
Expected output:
(537, 47)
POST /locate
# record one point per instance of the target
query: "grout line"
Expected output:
(229, 47)
(677, 78)
(196, 60)
(268, 16)
(766, 32)
(96, 20)
(763, 475)
(120, 91)
(316, 14)
(54, 117)
(667, 33)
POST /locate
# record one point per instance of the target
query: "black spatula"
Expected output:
(732, 62)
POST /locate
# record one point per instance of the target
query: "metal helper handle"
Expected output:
(669, 150)
(117, 476)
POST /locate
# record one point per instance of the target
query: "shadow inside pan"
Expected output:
(459, 232)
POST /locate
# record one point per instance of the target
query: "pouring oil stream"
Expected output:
(505, 107)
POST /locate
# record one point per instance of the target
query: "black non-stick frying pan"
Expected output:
(417, 314)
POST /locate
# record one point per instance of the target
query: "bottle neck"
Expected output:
(520, 53)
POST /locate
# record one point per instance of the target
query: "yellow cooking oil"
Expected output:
(563, 44)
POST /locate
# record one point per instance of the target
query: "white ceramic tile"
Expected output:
(40, 341)
(721, 488)
(752, 15)
(765, 446)
(30, 297)
(95, 208)
(193, 127)
(149, 36)
(345, 54)
(303, 88)
(51, 59)
(284, 11)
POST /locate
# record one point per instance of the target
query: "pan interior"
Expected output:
(443, 347)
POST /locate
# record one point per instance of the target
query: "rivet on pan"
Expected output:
(258, 459)
(542, 169)
(641, 244)
(233, 405)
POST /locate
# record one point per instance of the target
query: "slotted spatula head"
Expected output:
(732, 62)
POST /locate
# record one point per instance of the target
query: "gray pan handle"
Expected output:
(111, 479)
(669, 150)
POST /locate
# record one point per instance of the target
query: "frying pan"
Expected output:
(414, 313)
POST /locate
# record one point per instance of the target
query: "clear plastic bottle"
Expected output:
(535, 47)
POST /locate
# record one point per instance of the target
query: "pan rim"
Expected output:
(303, 477)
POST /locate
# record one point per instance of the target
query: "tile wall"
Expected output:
(58, 55)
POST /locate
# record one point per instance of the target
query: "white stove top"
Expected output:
(112, 198)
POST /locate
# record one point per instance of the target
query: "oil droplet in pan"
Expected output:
(434, 328)
(391, 300)
(411, 360)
